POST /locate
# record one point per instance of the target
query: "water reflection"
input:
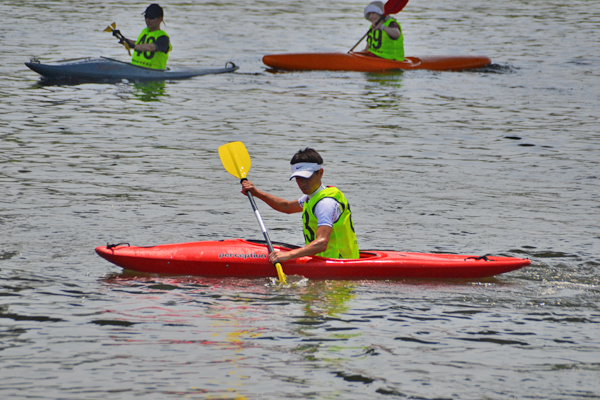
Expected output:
(145, 91)
(220, 316)
(149, 91)
(384, 89)
(392, 78)
(42, 82)
(327, 298)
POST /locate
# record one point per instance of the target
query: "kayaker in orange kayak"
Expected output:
(326, 217)
(152, 48)
(384, 38)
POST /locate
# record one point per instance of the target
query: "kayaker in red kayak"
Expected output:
(385, 38)
(326, 217)
(152, 48)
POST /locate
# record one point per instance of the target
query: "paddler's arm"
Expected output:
(392, 30)
(151, 47)
(276, 203)
(161, 44)
(317, 246)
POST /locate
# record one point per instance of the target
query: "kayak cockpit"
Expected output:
(364, 255)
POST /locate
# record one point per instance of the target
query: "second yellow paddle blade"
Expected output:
(235, 159)
(111, 27)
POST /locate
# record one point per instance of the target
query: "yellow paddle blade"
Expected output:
(111, 27)
(235, 159)
(280, 273)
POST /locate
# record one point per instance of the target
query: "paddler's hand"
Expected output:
(248, 186)
(116, 33)
(278, 257)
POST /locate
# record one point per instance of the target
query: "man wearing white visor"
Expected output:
(326, 217)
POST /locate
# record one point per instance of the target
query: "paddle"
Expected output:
(236, 160)
(113, 28)
(391, 7)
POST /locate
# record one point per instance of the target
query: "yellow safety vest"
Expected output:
(382, 45)
(342, 242)
(149, 59)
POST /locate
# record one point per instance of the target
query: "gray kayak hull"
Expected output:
(104, 69)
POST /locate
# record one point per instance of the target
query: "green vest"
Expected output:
(342, 242)
(149, 59)
(382, 45)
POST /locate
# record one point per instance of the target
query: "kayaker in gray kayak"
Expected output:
(326, 217)
(384, 38)
(153, 46)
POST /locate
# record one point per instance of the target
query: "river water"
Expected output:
(499, 161)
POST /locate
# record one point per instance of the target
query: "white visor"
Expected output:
(304, 169)
(372, 8)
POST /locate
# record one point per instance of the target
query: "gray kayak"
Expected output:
(104, 69)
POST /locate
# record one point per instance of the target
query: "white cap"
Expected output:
(304, 169)
(376, 7)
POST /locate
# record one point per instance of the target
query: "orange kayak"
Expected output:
(362, 62)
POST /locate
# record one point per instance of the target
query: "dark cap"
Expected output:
(153, 11)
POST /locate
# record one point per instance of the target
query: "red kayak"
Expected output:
(362, 62)
(248, 259)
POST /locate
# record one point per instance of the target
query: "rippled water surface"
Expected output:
(498, 161)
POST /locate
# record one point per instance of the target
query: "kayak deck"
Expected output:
(361, 62)
(105, 69)
(248, 259)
